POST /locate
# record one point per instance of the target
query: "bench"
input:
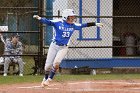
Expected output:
(12, 66)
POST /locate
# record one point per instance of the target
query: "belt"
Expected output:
(59, 44)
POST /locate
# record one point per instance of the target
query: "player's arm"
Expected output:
(19, 49)
(43, 20)
(8, 50)
(79, 26)
(1, 38)
(94, 24)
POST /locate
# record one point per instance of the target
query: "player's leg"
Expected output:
(59, 57)
(21, 66)
(50, 59)
(6, 65)
(53, 49)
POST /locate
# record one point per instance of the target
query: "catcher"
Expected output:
(64, 29)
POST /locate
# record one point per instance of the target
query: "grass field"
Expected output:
(63, 78)
(12, 79)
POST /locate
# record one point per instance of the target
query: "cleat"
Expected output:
(46, 82)
(42, 83)
(21, 75)
(5, 74)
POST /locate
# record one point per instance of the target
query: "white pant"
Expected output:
(16, 60)
(55, 55)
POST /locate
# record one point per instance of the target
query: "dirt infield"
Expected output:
(96, 86)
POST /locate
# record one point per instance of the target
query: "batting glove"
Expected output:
(99, 24)
(36, 17)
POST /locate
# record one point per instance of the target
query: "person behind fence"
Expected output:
(63, 30)
(13, 47)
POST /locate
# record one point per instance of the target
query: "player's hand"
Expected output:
(99, 24)
(36, 17)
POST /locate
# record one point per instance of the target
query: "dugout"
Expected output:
(126, 25)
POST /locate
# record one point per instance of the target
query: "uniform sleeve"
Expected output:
(79, 26)
(2, 39)
(46, 21)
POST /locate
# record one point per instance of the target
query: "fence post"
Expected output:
(42, 12)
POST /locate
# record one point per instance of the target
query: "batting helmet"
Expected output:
(67, 12)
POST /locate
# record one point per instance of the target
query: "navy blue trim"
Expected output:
(98, 19)
(90, 39)
(59, 44)
(80, 20)
(101, 63)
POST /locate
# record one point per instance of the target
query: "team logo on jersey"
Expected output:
(65, 28)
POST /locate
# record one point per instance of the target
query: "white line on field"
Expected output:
(135, 88)
(109, 90)
(36, 87)
(105, 83)
(31, 87)
(99, 89)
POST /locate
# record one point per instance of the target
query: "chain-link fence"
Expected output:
(120, 35)
(118, 38)
(16, 17)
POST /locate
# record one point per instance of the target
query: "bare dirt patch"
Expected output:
(96, 86)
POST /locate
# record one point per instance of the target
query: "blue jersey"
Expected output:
(63, 30)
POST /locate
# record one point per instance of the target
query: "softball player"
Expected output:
(13, 47)
(64, 29)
